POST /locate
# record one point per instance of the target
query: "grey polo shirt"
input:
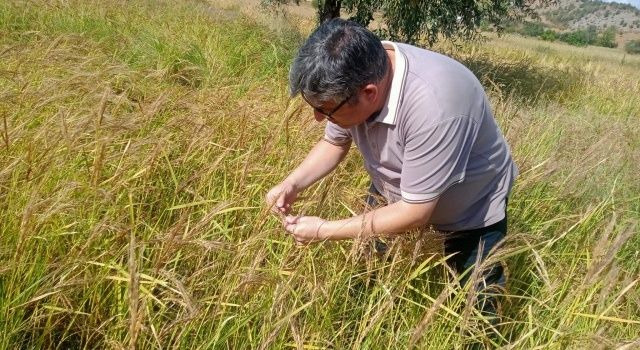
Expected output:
(436, 138)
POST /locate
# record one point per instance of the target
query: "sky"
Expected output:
(635, 3)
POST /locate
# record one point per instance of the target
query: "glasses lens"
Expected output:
(328, 115)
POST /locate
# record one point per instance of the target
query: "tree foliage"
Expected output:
(607, 38)
(419, 20)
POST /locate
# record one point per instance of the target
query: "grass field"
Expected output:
(137, 142)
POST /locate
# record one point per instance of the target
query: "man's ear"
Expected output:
(370, 92)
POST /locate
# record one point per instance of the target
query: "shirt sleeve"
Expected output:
(435, 158)
(336, 135)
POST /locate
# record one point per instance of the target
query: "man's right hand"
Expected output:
(320, 161)
(281, 198)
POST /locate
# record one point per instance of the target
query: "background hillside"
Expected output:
(579, 14)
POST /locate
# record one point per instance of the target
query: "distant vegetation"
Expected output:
(579, 37)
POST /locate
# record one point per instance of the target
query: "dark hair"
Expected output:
(336, 60)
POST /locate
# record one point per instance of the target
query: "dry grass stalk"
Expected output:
(423, 325)
(605, 254)
(5, 135)
(134, 294)
(99, 151)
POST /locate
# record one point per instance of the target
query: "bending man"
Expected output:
(426, 132)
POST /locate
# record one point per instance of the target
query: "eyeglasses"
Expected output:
(328, 115)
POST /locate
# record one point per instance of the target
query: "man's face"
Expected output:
(345, 113)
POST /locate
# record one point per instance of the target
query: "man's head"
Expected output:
(338, 67)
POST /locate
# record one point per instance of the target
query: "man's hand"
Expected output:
(304, 229)
(281, 198)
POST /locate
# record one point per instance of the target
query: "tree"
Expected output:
(608, 37)
(423, 20)
(328, 9)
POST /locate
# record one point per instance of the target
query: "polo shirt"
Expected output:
(436, 137)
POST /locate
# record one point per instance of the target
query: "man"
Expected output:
(425, 129)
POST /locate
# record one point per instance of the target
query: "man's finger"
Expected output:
(280, 201)
(273, 206)
(291, 219)
(291, 229)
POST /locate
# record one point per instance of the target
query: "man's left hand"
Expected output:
(304, 229)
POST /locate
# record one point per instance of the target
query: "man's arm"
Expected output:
(320, 161)
(394, 218)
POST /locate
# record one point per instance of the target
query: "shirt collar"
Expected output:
(390, 110)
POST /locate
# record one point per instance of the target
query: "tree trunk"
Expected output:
(328, 10)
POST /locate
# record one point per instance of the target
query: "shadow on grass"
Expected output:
(526, 81)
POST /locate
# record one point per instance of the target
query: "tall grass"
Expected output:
(138, 140)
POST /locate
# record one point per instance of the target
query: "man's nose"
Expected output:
(319, 116)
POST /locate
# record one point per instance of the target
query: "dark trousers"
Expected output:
(465, 247)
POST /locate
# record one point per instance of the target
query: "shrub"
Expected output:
(607, 38)
(548, 35)
(578, 38)
(532, 29)
(632, 47)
